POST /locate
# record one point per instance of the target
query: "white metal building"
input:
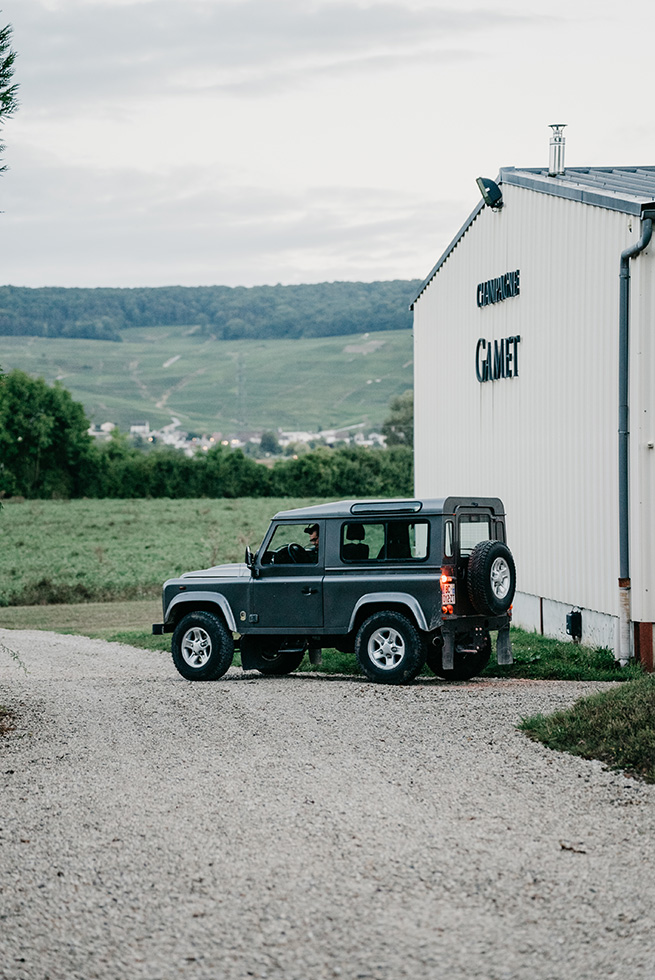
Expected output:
(520, 342)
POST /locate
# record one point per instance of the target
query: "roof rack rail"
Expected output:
(387, 507)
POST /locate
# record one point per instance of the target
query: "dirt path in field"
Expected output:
(305, 827)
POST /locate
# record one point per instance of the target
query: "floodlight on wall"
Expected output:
(491, 193)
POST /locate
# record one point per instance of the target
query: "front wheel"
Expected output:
(389, 648)
(472, 653)
(264, 654)
(202, 646)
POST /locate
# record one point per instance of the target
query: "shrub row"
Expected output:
(119, 471)
(223, 472)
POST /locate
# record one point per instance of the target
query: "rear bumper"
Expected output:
(462, 624)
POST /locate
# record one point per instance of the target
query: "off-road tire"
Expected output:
(265, 655)
(389, 648)
(491, 578)
(202, 646)
(468, 663)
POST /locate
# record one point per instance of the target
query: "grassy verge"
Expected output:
(616, 726)
(540, 658)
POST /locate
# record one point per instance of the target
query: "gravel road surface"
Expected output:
(306, 827)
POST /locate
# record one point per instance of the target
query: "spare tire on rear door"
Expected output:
(491, 578)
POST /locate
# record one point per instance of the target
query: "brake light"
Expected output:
(447, 583)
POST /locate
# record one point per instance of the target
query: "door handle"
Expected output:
(308, 591)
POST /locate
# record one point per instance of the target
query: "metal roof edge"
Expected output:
(460, 234)
(545, 185)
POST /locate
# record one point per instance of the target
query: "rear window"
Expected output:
(384, 541)
(473, 528)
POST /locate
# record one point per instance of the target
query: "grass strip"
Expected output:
(616, 726)
(541, 658)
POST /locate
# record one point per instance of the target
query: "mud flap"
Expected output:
(315, 656)
(248, 659)
(504, 647)
(448, 652)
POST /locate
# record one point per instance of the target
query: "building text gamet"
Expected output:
(497, 359)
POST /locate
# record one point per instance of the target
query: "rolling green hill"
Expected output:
(228, 386)
(325, 309)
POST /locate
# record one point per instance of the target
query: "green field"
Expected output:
(55, 551)
(160, 373)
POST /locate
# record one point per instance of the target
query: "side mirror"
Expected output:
(249, 558)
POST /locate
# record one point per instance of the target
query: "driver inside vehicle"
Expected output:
(312, 552)
(287, 546)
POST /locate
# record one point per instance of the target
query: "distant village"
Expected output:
(261, 444)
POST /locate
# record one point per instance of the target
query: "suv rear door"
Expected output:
(470, 526)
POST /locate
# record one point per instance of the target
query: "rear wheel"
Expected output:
(389, 648)
(472, 653)
(202, 646)
(268, 656)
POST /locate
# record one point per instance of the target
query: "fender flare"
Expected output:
(398, 598)
(214, 598)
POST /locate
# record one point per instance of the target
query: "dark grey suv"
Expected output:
(399, 583)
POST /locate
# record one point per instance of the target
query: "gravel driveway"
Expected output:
(305, 827)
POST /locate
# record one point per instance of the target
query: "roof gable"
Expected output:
(627, 189)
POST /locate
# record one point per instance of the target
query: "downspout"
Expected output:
(624, 434)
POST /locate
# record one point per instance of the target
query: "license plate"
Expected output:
(448, 594)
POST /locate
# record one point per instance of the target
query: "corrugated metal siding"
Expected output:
(545, 442)
(642, 432)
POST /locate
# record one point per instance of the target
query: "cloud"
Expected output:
(74, 52)
(128, 228)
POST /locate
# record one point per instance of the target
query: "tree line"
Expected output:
(46, 452)
(224, 312)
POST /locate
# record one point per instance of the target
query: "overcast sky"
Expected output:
(241, 142)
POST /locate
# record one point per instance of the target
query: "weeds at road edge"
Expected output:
(616, 726)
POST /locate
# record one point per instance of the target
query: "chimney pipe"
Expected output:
(557, 142)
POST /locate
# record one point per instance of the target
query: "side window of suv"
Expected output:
(384, 541)
(293, 544)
